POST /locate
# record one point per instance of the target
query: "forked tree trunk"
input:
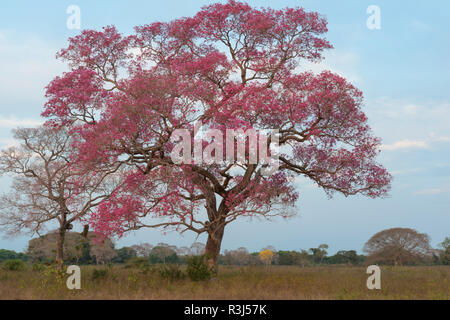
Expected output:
(212, 249)
(60, 246)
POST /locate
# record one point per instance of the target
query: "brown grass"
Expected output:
(258, 283)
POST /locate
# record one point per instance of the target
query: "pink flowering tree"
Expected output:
(230, 66)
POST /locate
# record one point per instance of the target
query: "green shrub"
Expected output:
(6, 255)
(197, 269)
(171, 272)
(140, 263)
(99, 274)
(38, 267)
(14, 265)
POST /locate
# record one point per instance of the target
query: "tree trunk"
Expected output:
(60, 246)
(212, 249)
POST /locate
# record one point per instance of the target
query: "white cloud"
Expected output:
(405, 144)
(28, 64)
(442, 139)
(415, 144)
(404, 124)
(433, 191)
(12, 122)
(343, 63)
(406, 171)
(7, 143)
(398, 109)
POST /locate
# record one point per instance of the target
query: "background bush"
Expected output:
(14, 265)
(99, 274)
(197, 269)
(171, 272)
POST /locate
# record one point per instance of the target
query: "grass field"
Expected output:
(272, 283)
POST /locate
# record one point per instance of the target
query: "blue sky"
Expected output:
(403, 70)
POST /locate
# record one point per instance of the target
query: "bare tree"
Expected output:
(39, 249)
(303, 258)
(184, 251)
(197, 248)
(103, 252)
(398, 246)
(319, 253)
(444, 254)
(44, 247)
(48, 186)
(143, 249)
(239, 256)
(162, 251)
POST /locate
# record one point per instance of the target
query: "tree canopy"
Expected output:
(398, 246)
(230, 66)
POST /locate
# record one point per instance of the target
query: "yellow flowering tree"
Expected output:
(266, 256)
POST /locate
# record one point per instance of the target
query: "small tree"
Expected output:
(445, 253)
(266, 256)
(77, 248)
(163, 253)
(48, 184)
(319, 253)
(346, 257)
(197, 249)
(124, 255)
(184, 251)
(398, 246)
(143, 250)
(303, 258)
(239, 256)
(103, 251)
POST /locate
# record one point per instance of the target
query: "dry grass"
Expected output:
(259, 283)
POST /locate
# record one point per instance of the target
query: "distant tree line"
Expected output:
(398, 246)
(304, 258)
(6, 255)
